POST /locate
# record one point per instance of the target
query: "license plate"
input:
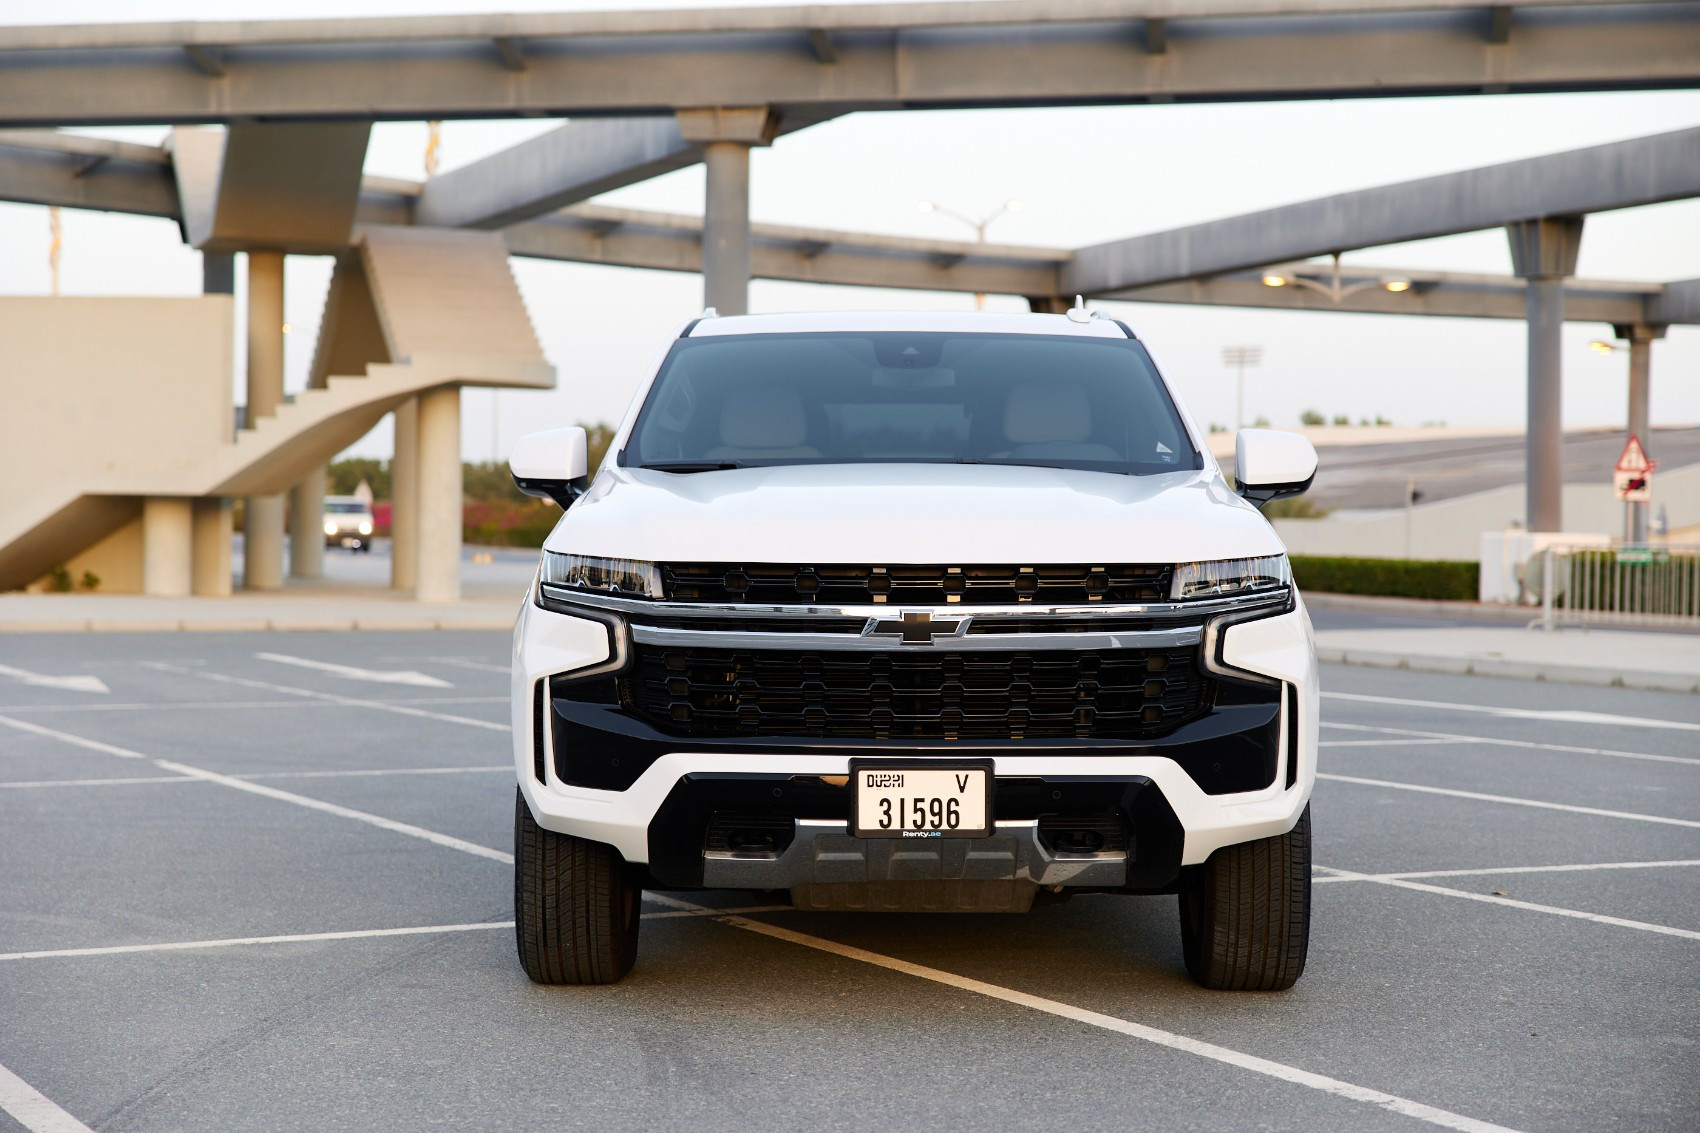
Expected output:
(911, 801)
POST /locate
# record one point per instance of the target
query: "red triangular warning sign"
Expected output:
(1634, 458)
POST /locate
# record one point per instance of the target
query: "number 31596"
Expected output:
(920, 813)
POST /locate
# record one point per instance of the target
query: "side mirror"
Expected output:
(1269, 464)
(551, 465)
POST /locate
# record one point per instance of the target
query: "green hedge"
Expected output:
(521, 535)
(1397, 578)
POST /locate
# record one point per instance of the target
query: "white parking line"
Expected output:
(459, 663)
(34, 1110)
(1513, 743)
(356, 774)
(201, 705)
(1382, 743)
(1558, 716)
(269, 792)
(354, 673)
(1629, 814)
(238, 941)
(1405, 1106)
(67, 737)
(331, 698)
(1334, 1086)
(98, 782)
(354, 934)
(1512, 902)
(1347, 875)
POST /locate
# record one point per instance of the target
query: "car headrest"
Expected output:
(762, 417)
(1042, 412)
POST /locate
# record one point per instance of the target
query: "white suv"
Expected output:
(919, 613)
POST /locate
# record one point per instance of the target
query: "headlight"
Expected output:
(633, 578)
(365, 527)
(330, 527)
(1225, 578)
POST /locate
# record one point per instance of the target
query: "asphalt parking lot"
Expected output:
(239, 890)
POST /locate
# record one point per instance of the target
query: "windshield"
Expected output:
(346, 509)
(756, 400)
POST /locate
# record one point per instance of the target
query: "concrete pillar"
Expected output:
(726, 229)
(262, 524)
(440, 490)
(727, 134)
(262, 543)
(404, 498)
(265, 334)
(1640, 337)
(307, 526)
(1544, 253)
(210, 573)
(167, 546)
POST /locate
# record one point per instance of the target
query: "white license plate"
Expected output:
(921, 802)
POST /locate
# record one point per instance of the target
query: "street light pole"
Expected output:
(1240, 357)
(979, 227)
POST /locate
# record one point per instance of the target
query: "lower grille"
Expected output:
(916, 694)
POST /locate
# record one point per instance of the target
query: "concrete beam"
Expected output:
(1459, 295)
(288, 185)
(570, 164)
(1677, 302)
(876, 56)
(40, 167)
(1641, 171)
(673, 242)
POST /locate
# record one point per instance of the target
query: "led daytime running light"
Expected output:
(633, 578)
(1224, 578)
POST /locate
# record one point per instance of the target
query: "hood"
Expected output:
(912, 513)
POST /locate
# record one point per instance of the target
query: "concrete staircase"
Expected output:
(409, 311)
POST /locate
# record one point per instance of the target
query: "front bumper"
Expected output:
(640, 820)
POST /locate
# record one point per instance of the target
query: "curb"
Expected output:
(1421, 607)
(1642, 679)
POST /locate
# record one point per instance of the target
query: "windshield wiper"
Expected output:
(692, 465)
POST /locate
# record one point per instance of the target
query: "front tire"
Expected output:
(575, 906)
(1245, 913)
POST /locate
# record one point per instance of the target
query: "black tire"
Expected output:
(1245, 913)
(575, 906)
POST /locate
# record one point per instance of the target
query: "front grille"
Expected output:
(792, 584)
(915, 694)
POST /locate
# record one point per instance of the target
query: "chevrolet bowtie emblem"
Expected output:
(915, 627)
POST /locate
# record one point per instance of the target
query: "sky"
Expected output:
(1082, 176)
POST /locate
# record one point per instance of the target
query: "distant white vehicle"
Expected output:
(913, 612)
(348, 523)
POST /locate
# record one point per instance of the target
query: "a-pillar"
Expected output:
(262, 525)
(404, 498)
(440, 491)
(727, 134)
(1544, 253)
(1640, 337)
(167, 546)
(210, 575)
(307, 526)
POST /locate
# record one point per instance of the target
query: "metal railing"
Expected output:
(1644, 585)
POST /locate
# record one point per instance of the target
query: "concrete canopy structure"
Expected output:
(1641, 171)
(708, 85)
(832, 60)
